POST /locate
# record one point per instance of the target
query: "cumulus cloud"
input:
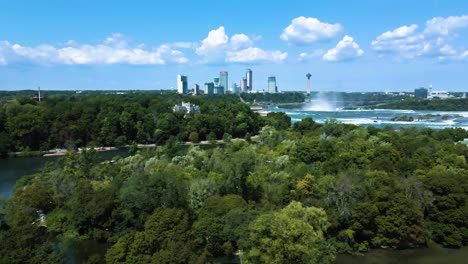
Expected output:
(346, 49)
(446, 26)
(240, 41)
(307, 30)
(434, 41)
(239, 48)
(113, 50)
(401, 32)
(403, 40)
(216, 38)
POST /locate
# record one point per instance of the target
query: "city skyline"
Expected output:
(346, 46)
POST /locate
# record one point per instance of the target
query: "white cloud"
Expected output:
(401, 32)
(239, 48)
(253, 54)
(402, 41)
(464, 55)
(304, 56)
(307, 30)
(446, 26)
(4, 45)
(434, 41)
(448, 50)
(346, 49)
(216, 38)
(113, 50)
(240, 41)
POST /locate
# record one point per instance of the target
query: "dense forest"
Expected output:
(275, 98)
(295, 193)
(455, 104)
(77, 120)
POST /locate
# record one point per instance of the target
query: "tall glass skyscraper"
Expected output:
(209, 88)
(248, 76)
(223, 79)
(243, 85)
(272, 84)
(182, 84)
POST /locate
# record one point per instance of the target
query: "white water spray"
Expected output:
(322, 103)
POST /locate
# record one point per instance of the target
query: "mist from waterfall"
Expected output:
(323, 102)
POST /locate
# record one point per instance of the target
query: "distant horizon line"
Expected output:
(175, 90)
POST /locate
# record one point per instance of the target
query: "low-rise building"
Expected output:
(187, 108)
(438, 95)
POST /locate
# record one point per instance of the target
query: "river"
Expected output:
(435, 254)
(379, 117)
(432, 255)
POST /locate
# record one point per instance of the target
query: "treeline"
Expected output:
(365, 99)
(276, 98)
(297, 194)
(71, 121)
(455, 104)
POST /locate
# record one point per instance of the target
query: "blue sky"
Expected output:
(346, 45)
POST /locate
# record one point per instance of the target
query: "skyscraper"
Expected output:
(272, 85)
(420, 93)
(223, 79)
(182, 85)
(196, 89)
(248, 77)
(235, 88)
(209, 88)
(243, 85)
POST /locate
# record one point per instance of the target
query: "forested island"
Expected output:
(276, 192)
(100, 119)
(454, 104)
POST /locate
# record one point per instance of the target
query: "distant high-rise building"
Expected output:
(223, 79)
(216, 81)
(248, 77)
(209, 88)
(196, 89)
(182, 84)
(420, 93)
(243, 85)
(219, 89)
(272, 84)
(235, 88)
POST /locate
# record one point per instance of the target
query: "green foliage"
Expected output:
(404, 118)
(448, 214)
(295, 234)
(193, 137)
(278, 120)
(458, 104)
(380, 188)
(288, 97)
(72, 121)
(166, 238)
(215, 222)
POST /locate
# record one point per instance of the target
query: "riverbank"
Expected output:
(434, 254)
(61, 152)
